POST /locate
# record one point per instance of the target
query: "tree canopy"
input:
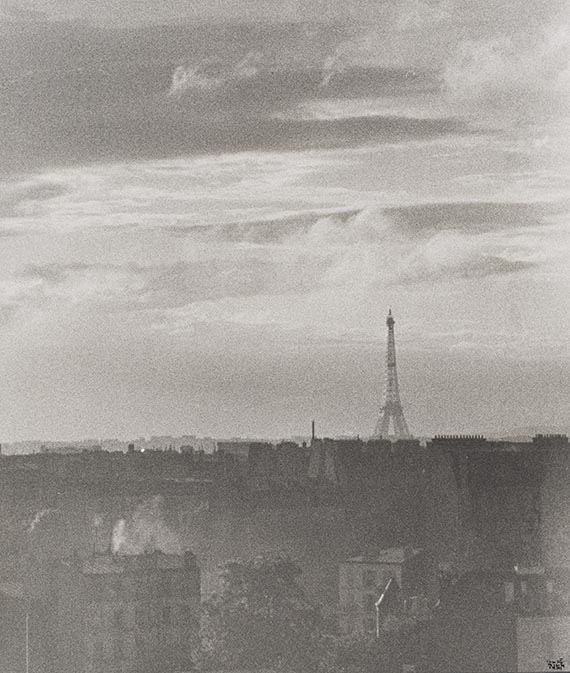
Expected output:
(261, 617)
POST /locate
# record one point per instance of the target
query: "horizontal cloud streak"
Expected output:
(350, 249)
(15, 198)
(421, 220)
(177, 135)
(132, 287)
(474, 216)
(73, 94)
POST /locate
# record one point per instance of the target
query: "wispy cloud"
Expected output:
(67, 105)
(474, 217)
(137, 288)
(428, 267)
(19, 198)
(348, 251)
(499, 70)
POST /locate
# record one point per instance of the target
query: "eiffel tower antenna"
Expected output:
(392, 409)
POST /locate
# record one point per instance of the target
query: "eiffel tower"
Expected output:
(392, 409)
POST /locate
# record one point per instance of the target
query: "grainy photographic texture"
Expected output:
(284, 336)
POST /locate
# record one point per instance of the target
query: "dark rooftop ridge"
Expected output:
(108, 563)
(461, 438)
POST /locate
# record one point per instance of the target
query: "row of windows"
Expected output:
(116, 650)
(120, 648)
(104, 587)
(144, 617)
(369, 578)
(536, 591)
(373, 577)
(411, 605)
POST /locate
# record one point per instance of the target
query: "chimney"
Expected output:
(408, 552)
(190, 559)
(131, 448)
(313, 431)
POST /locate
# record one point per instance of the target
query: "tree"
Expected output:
(400, 641)
(260, 618)
(362, 655)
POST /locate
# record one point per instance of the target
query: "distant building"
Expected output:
(13, 612)
(26, 617)
(515, 620)
(127, 613)
(326, 466)
(405, 575)
(543, 640)
(103, 614)
(475, 503)
(240, 460)
(78, 447)
(502, 491)
(238, 450)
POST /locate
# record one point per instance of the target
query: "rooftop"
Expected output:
(391, 555)
(107, 564)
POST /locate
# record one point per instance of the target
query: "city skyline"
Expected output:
(203, 224)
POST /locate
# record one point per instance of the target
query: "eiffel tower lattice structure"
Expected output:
(392, 409)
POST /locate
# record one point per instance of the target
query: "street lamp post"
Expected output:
(27, 641)
(379, 603)
(377, 606)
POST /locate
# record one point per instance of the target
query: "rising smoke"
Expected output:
(145, 531)
(38, 516)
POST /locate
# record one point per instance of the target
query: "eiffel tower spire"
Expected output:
(392, 409)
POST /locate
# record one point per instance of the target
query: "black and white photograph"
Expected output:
(284, 336)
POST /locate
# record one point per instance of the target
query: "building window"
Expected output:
(509, 592)
(166, 615)
(100, 589)
(411, 605)
(547, 644)
(118, 651)
(369, 578)
(141, 618)
(189, 617)
(97, 653)
(165, 586)
(369, 625)
(115, 586)
(369, 602)
(119, 620)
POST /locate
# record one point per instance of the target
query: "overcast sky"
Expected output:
(203, 225)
